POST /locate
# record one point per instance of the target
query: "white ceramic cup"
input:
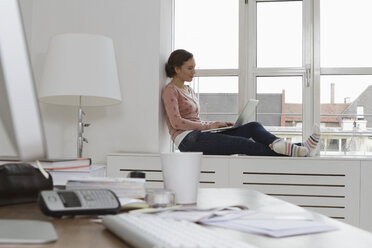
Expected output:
(181, 172)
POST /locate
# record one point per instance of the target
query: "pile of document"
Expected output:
(242, 219)
(60, 177)
(272, 225)
(122, 187)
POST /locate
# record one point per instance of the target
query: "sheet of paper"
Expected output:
(263, 215)
(132, 203)
(273, 227)
(275, 224)
(195, 214)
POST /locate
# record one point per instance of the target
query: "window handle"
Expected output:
(308, 76)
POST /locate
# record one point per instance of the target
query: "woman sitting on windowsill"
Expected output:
(184, 124)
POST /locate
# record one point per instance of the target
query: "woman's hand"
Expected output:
(219, 124)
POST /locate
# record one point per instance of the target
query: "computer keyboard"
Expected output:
(144, 230)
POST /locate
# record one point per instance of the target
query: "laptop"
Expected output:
(247, 115)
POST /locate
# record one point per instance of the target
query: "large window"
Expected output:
(280, 106)
(278, 68)
(307, 61)
(345, 76)
(279, 34)
(209, 30)
(344, 37)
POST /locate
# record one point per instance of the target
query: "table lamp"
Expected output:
(80, 70)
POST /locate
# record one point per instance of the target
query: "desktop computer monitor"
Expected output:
(20, 115)
(19, 108)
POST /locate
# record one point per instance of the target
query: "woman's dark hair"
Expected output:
(176, 59)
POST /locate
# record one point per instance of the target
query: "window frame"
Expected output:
(250, 71)
(328, 71)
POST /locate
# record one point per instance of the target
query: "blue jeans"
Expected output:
(250, 139)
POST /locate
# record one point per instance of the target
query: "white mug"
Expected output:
(181, 171)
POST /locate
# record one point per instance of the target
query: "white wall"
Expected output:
(141, 31)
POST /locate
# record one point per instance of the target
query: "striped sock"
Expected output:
(287, 148)
(312, 142)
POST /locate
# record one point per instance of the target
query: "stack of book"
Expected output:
(54, 164)
(65, 163)
(62, 169)
(122, 187)
(8, 159)
(60, 177)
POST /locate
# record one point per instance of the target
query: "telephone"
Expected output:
(58, 203)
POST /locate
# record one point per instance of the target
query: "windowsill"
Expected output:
(322, 157)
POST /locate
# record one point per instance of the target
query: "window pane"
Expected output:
(279, 34)
(346, 114)
(280, 106)
(215, 84)
(209, 30)
(346, 88)
(345, 39)
(218, 98)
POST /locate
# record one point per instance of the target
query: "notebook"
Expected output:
(247, 115)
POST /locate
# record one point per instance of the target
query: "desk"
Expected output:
(346, 237)
(80, 232)
(72, 232)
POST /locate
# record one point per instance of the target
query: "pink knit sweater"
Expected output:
(182, 110)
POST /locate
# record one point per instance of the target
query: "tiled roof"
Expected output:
(296, 108)
(365, 100)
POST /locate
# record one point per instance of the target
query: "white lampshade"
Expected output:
(80, 65)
